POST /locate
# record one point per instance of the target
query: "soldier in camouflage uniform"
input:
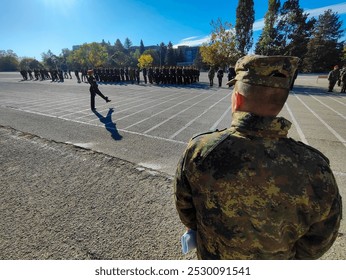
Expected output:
(333, 77)
(251, 192)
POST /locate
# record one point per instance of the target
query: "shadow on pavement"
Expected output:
(109, 124)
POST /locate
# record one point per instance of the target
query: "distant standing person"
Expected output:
(294, 78)
(333, 77)
(343, 79)
(211, 75)
(220, 76)
(231, 74)
(94, 89)
(145, 74)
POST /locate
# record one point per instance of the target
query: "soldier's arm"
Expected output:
(321, 235)
(183, 197)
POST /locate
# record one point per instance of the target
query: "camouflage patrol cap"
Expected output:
(269, 71)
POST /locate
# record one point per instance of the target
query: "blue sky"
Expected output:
(31, 27)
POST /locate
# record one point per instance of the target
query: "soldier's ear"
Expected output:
(238, 101)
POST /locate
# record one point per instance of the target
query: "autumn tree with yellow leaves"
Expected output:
(220, 50)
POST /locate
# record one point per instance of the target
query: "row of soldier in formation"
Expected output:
(153, 75)
(56, 75)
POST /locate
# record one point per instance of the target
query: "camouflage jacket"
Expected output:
(333, 75)
(252, 193)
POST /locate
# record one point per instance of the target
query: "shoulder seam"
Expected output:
(314, 150)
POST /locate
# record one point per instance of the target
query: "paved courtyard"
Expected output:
(148, 127)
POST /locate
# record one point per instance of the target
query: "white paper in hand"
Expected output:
(188, 241)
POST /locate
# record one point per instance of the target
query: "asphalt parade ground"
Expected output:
(78, 184)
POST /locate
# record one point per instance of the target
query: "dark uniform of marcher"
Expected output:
(219, 75)
(249, 191)
(94, 89)
(231, 74)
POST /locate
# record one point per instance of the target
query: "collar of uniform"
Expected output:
(251, 124)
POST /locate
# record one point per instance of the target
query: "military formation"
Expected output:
(56, 75)
(152, 75)
(164, 75)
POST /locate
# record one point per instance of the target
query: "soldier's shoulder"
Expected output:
(311, 150)
(202, 144)
(210, 133)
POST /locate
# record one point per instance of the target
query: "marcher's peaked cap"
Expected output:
(90, 71)
(269, 71)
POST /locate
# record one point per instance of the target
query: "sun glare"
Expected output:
(62, 6)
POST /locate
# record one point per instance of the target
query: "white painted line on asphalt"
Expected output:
(34, 112)
(115, 111)
(103, 125)
(338, 173)
(338, 101)
(123, 99)
(155, 105)
(69, 103)
(153, 137)
(173, 116)
(296, 125)
(214, 126)
(77, 112)
(337, 135)
(130, 132)
(158, 113)
(47, 103)
(193, 120)
(330, 108)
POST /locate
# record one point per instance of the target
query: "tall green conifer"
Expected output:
(244, 23)
(267, 43)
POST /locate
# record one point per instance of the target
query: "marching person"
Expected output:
(94, 89)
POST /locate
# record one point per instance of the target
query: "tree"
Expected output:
(127, 43)
(221, 49)
(145, 60)
(170, 56)
(8, 61)
(245, 18)
(324, 49)
(90, 55)
(294, 29)
(120, 59)
(136, 55)
(141, 47)
(118, 46)
(50, 60)
(162, 53)
(267, 43)
(198, 62)
(30, 63)
(154, 54)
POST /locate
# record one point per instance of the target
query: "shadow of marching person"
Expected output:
(109, 125)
